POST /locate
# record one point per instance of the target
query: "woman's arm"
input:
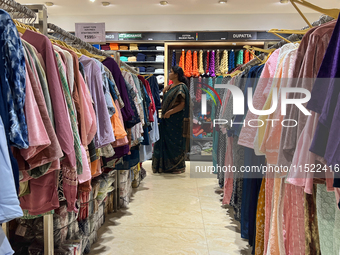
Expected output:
(177, 109)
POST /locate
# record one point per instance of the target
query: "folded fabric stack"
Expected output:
(133, 46)
(160, 48)
(160, 58)
(150, 69)
(141, 57)
(114, 46)
(151, 47)
(97, 46)
(105, 47)
(159, 71)
(151, 58)
(123, 47)
(124, 59)
(132, 59)
(143, 47)
(142, 69)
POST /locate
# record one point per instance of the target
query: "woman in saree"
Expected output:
(170, 151)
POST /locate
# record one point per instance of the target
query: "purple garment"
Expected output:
(104, 135)
(324, 100)
(64, 132)
(127, 111)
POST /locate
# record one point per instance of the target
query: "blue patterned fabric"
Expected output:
(13, 82)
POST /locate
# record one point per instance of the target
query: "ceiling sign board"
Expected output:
(187, 36)
(91, 32)
(130, 36)
(242, 36)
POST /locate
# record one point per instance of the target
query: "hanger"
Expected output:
(287, 31)
(235, 73)
(86, 53)
(334, 13)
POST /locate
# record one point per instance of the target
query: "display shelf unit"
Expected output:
(141, 51)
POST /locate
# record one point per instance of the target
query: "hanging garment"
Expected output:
(182, 61)
(195, 71)
(224, 67)
(188, 64)
(104, 134)
(217, 63)
(64, 132)
(5, 246)
(212, 64)
(260, 220)
(246, 56)
(231, 61)
(207, 65)
(173, 61)
(248, 133)
(200, 67)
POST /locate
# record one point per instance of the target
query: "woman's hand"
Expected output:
(167, 115)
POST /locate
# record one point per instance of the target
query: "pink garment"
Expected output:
(54, 166)
(43, 196)
(248, 133)
(52, 152)
(228, 176)
(271, 141)
(86, 175)
(90, 115)
(268, 209)
(64, 132)
(37, 134)
(293, 215)
(299, 174)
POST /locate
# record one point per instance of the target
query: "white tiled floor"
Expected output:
(172, 214)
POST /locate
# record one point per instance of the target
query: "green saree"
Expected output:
(170, 151)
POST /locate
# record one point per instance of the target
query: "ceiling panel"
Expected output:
(149, 7)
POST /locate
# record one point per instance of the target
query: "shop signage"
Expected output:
(242, 36)
(91, 32)
(134, 36)
(187, 36)
(112, 36)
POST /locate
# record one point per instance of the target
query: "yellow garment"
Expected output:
(200, 65)
(224, 67)
(132, 59)
(260, 219)
(123, 47)
(133, 46)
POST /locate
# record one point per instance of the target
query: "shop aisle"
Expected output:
(171, 214)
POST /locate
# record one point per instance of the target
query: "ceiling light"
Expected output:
(163, 3)
(92, 0)
(106, 3)
(284, 1)
(222, 1)
(49, 4)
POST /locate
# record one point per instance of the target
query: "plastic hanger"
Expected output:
(334, 13)
(287, 31)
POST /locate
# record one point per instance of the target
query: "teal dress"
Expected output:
(171, 149)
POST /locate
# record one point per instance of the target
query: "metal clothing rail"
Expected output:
(73, 40)
(293, 38)
(17, 10)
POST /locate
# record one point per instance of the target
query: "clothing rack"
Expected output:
(73, 40)
(293, 38)
(17, 10)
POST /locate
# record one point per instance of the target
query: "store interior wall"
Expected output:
(133, 23)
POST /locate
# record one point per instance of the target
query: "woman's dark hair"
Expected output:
(178, 70)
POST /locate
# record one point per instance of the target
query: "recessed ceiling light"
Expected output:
(222, 1)
(106, 3)
(284, 1)
(92, 1)
(163, 3)
(49, 4)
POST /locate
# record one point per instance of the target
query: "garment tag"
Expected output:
(21, 231)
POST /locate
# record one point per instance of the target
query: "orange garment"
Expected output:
(246, 56)
(195, 72)
(181, 61)
(188, 64)
(114, 46)
(260, 219)
(117, 126)
(123, 47)
(96, 168)
(124, 140)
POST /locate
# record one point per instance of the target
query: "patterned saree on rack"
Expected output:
(170, 151)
